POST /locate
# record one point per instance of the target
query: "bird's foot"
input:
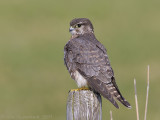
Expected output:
(83, 88)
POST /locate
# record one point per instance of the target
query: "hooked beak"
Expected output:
(71, 29)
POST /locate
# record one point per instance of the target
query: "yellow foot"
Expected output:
(83, 88)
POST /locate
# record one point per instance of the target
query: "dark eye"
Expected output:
(79, 25)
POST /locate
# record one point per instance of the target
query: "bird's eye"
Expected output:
(79, 25)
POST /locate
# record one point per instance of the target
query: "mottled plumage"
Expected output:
(87, 62)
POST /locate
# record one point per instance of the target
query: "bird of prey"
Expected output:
(88, 64)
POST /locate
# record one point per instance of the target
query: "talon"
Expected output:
(83, 88)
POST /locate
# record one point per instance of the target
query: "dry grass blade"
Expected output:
(136, 99)
(145, 115)
(111, 115)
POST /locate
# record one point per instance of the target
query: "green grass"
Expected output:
(33, 78)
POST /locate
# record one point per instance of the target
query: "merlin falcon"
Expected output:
(88, 64)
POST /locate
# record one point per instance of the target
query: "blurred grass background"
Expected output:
(33, 78)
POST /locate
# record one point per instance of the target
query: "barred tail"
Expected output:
(119, 96)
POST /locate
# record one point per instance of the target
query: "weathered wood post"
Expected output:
(84, 105)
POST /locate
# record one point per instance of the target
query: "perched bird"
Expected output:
(88, 64)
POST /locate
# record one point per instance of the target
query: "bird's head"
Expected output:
(79, 26)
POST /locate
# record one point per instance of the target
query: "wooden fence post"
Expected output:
(84, 105)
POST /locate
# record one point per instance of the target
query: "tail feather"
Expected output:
(119, 96)
(123, 101)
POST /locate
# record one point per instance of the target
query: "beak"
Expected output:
(71, 29)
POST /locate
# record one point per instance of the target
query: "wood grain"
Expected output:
(84, 105)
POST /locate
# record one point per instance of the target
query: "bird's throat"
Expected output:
(74, 36)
